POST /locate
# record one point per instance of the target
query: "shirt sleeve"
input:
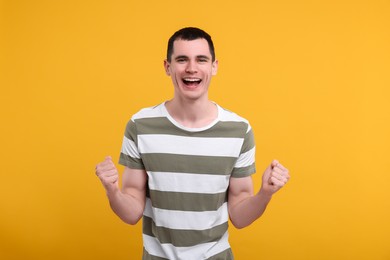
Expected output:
(245, 164)
(130, 155)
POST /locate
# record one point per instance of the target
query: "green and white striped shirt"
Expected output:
(188, 170)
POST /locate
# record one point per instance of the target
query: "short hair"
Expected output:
(189, 34)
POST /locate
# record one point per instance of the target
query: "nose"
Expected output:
(191, 67)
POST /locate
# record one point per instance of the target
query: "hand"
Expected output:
(108, 174)
(274, 178)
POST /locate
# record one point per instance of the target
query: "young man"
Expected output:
(188, 164)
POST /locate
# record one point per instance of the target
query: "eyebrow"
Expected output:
(181, 57)
(198, 57)
(203, 57)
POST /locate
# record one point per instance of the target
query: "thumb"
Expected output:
(108, 159)
(267, 172)
(274, 163)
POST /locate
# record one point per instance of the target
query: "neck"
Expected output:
(192, 113)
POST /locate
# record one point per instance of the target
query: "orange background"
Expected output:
(311, 76)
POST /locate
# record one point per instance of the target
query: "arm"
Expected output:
(244, 207)
(129, 202)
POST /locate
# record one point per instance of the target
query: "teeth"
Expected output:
(192, 80)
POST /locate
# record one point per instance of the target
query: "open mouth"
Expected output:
(191, 81)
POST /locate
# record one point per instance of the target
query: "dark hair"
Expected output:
(189, 34)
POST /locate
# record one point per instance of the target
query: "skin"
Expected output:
(191, 69)
(190, 105)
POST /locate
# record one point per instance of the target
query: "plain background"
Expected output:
(312, 77)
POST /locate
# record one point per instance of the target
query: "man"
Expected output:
(188, 164)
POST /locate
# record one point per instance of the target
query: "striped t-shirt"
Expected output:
(188, 170)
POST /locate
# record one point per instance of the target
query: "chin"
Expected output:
(195, 96)
(191, 93)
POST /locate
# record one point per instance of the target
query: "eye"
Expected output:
(181, 60)
(203, 59)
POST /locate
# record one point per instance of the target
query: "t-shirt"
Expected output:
(188, 169)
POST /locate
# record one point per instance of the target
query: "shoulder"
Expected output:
(229, 116)
(147, 119)
(149, 112)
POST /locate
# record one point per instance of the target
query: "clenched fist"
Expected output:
(274, 177)
(108, 174)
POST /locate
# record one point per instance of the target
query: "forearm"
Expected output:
(125, 206)
(249, 209)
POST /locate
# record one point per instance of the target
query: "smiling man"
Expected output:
(188, 164)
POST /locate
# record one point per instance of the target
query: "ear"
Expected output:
(214, 68)
(167, 66)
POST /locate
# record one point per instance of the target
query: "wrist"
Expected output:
(112, 192)
(265, 194)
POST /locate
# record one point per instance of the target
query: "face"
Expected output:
(191, 68)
